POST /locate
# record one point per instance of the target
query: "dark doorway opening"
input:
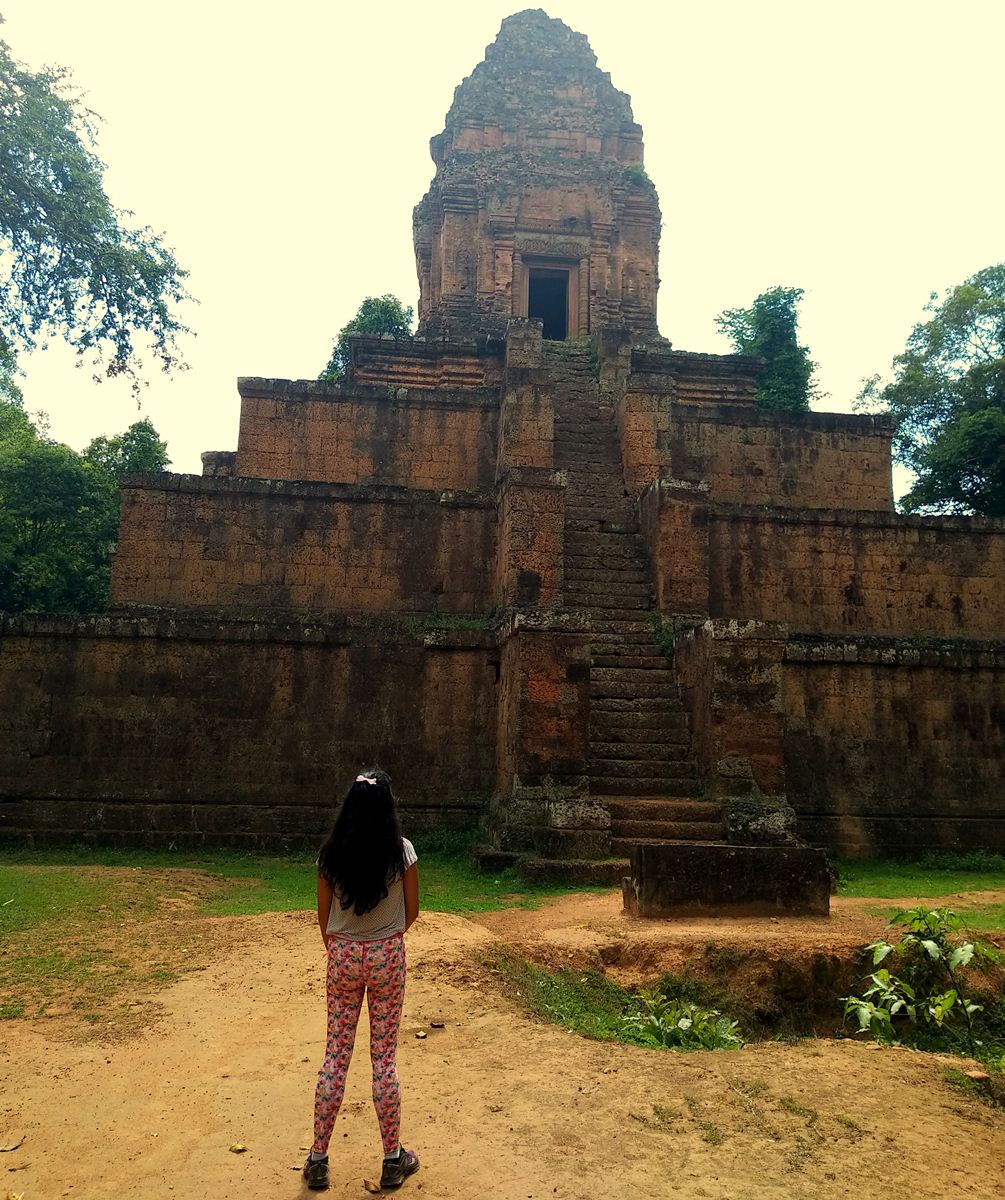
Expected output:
(548, 300)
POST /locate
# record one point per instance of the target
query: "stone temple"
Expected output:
(551, 572)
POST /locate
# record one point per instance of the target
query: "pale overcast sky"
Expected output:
(851, 149)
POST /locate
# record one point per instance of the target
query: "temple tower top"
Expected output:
(540, 205)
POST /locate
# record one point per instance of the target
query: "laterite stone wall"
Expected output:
(894, 748)
(166, 729)
(241, 544)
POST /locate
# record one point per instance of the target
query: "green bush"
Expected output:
(679, 1024)
(930, 1001)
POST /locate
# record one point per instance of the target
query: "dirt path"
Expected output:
(497, 1104)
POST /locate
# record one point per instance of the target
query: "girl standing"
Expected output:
(368, 895)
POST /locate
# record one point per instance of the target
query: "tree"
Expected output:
(768, 330)
(377, 314)
(138, 449)
(948, 394)
(59, 512)
(70, 264)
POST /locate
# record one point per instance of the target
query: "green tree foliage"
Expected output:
(768, 330)
(377, 314)
(9, 389)
(59, 512)
(948, 393)
(70, 264)
(138, 449)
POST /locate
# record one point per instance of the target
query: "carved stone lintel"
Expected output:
(553, 246)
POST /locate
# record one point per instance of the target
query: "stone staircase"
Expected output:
(641, 763)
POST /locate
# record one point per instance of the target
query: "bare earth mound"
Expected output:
(496, 1103)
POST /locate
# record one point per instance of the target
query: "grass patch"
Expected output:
(981, 918)
(791, 1105)
(937, 876)
(248, 883)
(987, 1091)
(104, 903)
(588, 1003)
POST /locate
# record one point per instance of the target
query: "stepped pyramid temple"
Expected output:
(551, 572)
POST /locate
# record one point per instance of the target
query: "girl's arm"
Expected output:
(410, 882)
(324, 905)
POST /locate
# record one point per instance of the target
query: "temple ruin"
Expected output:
(551, 572)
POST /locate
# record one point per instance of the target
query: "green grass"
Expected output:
(102, 921)
(584, 1001)
(587, 1002)
(249, 883)
(942, 876)
(979, 918)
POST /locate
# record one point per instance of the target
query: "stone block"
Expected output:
(677, 879)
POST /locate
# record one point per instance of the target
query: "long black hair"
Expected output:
(363, 854)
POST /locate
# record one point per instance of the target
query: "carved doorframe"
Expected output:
(525, 263)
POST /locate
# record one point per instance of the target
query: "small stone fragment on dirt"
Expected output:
(421, 1034)
(371, 1187)
(437, 1024)
(237, 1147)
(978, 1076)
(12, 1145)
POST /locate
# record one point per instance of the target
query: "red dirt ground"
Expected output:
(497, 1103)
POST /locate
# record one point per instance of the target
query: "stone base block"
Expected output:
(676, 879)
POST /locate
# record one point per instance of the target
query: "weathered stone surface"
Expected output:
(165, 728)
(674, 879)
(539, 163)
(589, 578)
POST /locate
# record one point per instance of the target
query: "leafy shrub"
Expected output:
(679, 1024)
(637, 174)
(931, 992)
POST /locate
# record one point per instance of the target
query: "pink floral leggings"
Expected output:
(378, 969)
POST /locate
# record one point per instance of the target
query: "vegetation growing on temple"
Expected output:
(768, 329)
(376, 315)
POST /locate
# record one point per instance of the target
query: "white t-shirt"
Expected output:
(384, 921)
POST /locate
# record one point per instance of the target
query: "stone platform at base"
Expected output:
(680, 879)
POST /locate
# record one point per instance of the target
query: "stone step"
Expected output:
(633, 707)
(621, 726)
(608, 728)
(622, 541)
(640, 738)
(691, 831)
(607, 645)
(587, 518)
(654, 786)
(632, 674)
(636, 751)
(634, 662)
(615, 575)
(656, 686)
(639, 768)
(595, 613)
(625, 646)
(607, 594)
(605, 641)
(662, 808)
(600, 602)
(603, 526)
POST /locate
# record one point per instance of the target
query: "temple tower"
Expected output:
(540, 205)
